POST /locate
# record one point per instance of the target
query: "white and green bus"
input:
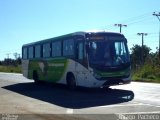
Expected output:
(88, 59)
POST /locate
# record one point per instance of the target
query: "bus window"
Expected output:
(56, 49)
(46, 50)
(37, 51)
(31, 52)
(68, 47)
(121, 53)
(24, 53)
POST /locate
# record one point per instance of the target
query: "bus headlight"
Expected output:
(97, 76)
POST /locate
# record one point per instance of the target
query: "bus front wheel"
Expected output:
(71, 83)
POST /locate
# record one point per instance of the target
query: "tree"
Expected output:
(136, 55)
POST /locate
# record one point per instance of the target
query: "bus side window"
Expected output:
(56, 49)
(37, 51)
(31, 52)
(68, 47)
(46, 50)
(24, 53)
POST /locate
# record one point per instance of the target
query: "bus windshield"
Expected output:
(108, 53)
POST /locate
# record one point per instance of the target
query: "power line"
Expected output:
(153, 33)
(132, 20)
(138, 21)
(137, 18)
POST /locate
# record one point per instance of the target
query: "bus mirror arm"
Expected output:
(87, 48)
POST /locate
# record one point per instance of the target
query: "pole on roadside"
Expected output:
(142, 52)
(120, 26)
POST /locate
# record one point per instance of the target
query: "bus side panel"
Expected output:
(82, 75)
(50, 70)
(70, 67)
(56, 69)
(85, 77)
(33, 66)
(25, 64)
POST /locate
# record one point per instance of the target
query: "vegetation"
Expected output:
(147, 70)
(11, 65)
(11, 69)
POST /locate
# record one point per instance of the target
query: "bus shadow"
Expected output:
(81, 98)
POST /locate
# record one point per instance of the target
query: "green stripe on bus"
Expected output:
(48, 70)
(113, 74)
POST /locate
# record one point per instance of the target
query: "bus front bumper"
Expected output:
(116, 81)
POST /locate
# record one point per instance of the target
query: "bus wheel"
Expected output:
(107, 88)
(35, 77)
(71, 83)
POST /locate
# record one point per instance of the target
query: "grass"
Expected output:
(147, 73)
(11, 69)
(139, 79)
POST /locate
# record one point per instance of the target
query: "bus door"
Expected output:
(81, 63)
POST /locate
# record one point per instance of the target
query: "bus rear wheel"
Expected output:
(36, 77)
(71, 83)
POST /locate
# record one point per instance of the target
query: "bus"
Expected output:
(87, 59)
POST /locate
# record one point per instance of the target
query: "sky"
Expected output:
(25, 21)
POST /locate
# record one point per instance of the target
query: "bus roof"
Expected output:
(81, 33)
(95, 32)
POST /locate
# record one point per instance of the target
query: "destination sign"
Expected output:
(97, 38)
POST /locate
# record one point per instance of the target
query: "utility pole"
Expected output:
(8, 58)
(142, 52)
(15, 55)
(8, 55)
(120, 26)
(158, 15)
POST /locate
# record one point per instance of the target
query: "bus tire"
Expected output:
(35, 77)
(71, 82)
